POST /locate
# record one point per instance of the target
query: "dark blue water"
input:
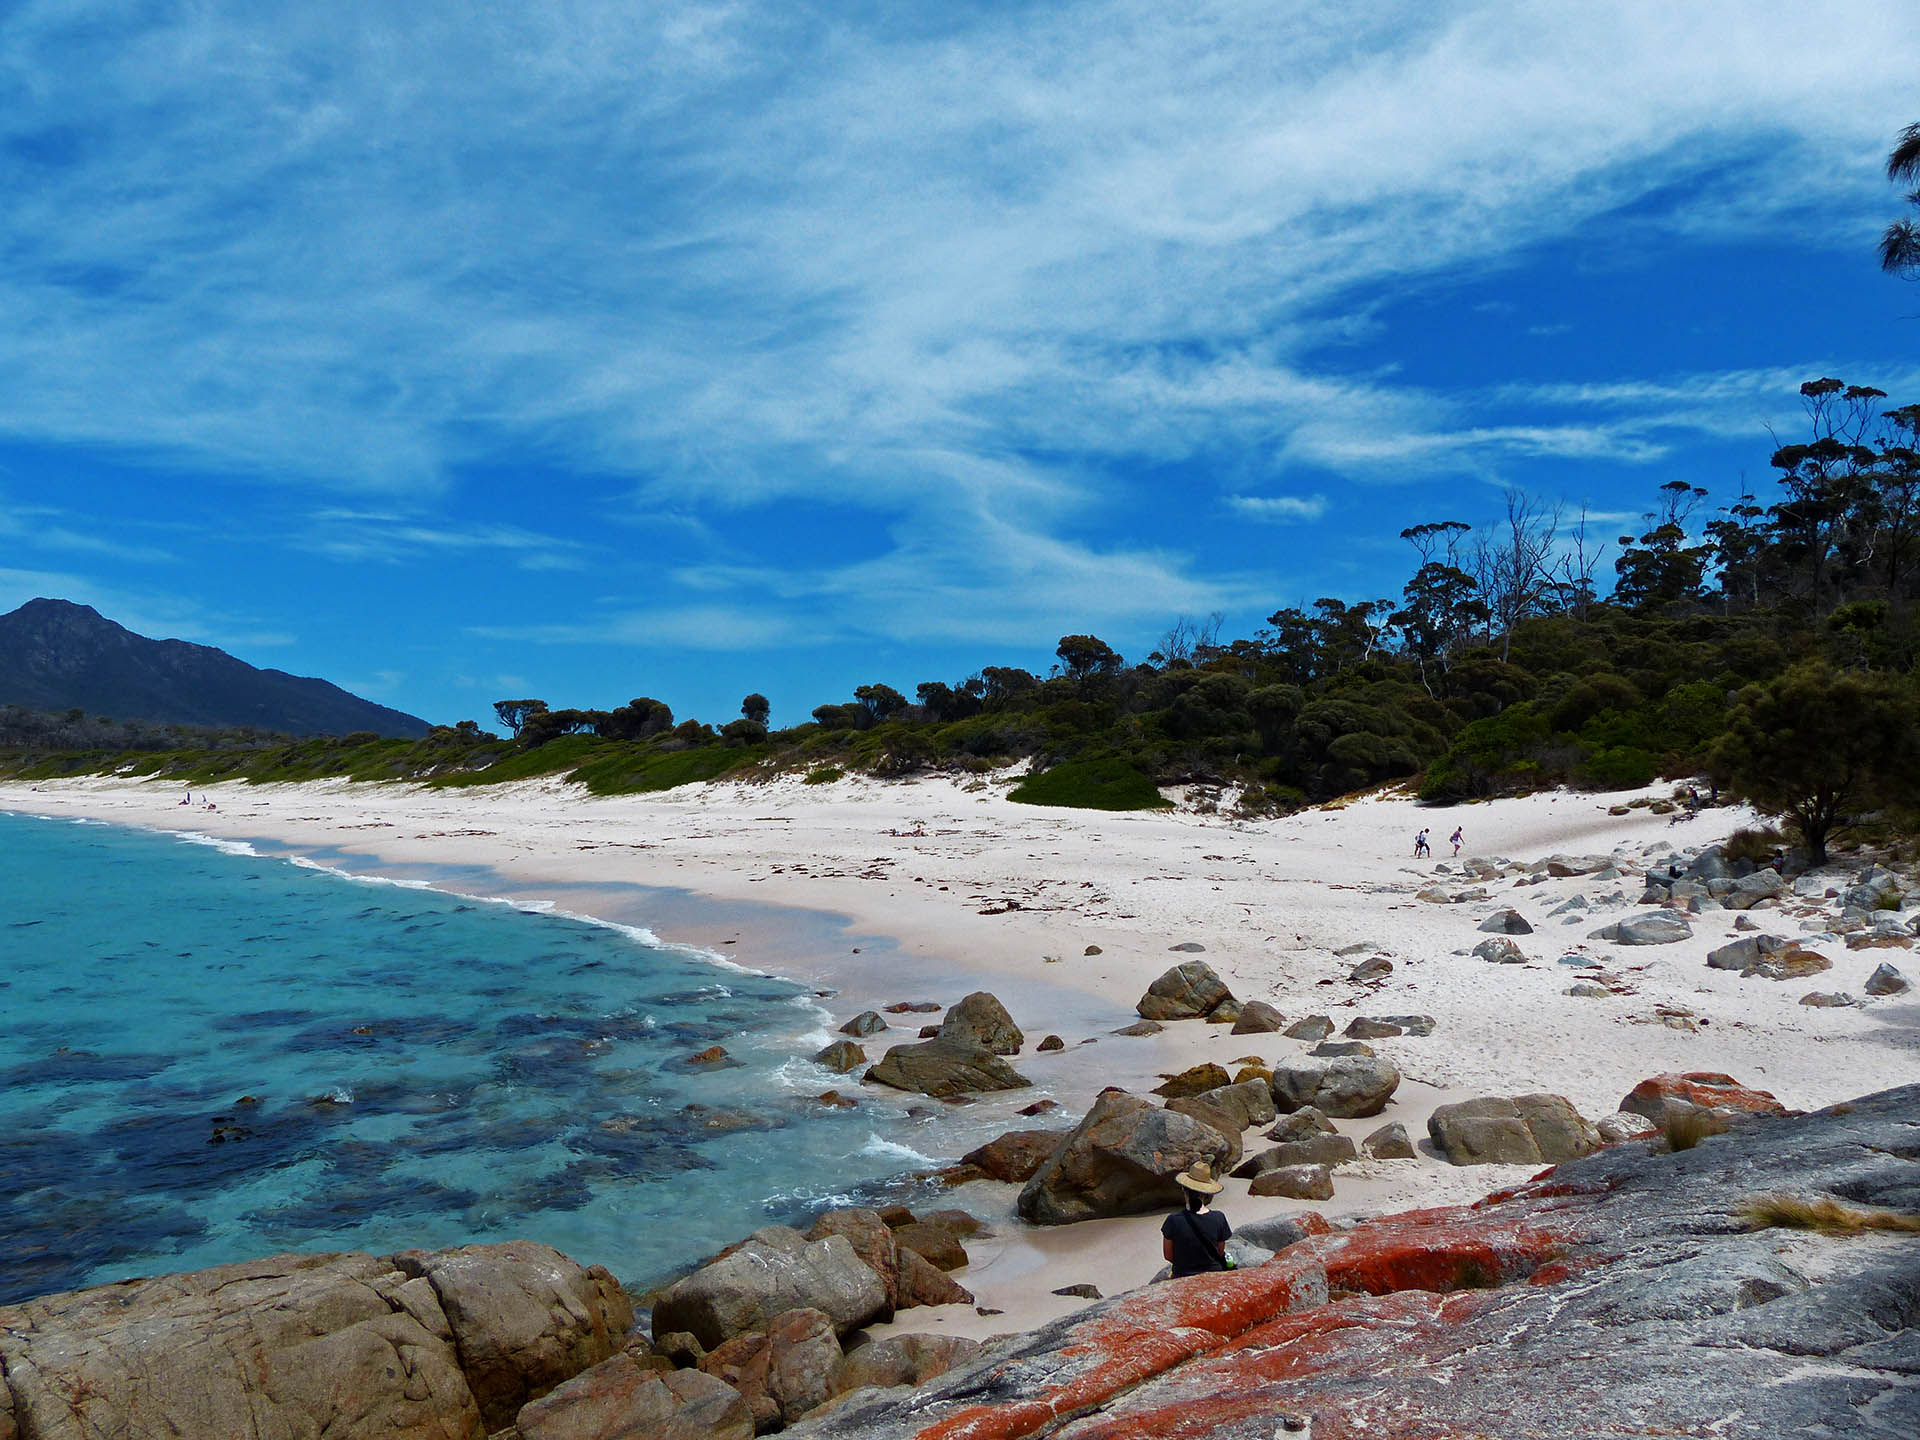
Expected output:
(207, 1054)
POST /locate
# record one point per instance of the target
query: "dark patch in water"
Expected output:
(261, 1020)
(339, 1205)
(84, 1067)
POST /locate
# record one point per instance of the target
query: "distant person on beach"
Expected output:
(1457, 839)
(1194, 1238)
(1420, 845)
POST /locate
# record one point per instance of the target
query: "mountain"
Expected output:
(55, 655)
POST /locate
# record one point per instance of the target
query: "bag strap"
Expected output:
(1219, 1252)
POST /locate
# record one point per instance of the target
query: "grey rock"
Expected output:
(1316, 1150)
(1257, 1017)
(980, 1019)
(1409, 1024)
(1750, 890)
(1886, 980)
(620, 1397)
(1623, 1126)
(1345, 1088)
(942, 1067)
(1389, 1142)
(1506, 922)
(1580, 962)
(867, 1022)
(1273, 1235)
(1295, 1182)
(1828, 1000)
(1500, 951)
(1313, 1027)
(1587, 990)
(1301, 1124)
(1662, 927)
(1188, 947)
(1365, 1027)
(1119, 1160)
(1140, 1028)
(1521, 1130)
(1367, 971)
(901, 1360)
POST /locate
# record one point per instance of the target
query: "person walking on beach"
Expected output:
(1420, 846)
(1194, 1239)
(1457, 839)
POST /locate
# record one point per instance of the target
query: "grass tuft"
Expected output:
(1685, 1127)
(1825, 1214)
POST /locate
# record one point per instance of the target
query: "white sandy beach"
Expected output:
(981, 893)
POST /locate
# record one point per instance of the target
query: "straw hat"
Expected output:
(1199, 1176)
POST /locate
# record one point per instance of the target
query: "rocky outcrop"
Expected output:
(1186, 992)
(942, 1067)
(1625, 1292)
(776, 1270)
(1119, 1160)
(422, 1346)
(841, 1056)
(1346, 1088)
(980, 1019)
(1522, 1130)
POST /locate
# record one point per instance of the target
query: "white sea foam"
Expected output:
(876, 1145)
(212, 842)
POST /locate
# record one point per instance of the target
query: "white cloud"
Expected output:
(1279, 507)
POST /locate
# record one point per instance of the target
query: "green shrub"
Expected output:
(823, 775)
(1108, 782)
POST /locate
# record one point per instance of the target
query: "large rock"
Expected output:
(935, 1244)
(774, 1271)
(1748, 951)
(1119, 1160)
(296, 1346)
(1750, 890)
(783, 1373)
(1014, 1156)
(943, 1067)
(1347, 1088)
(980, 1019)
(1186, 992)
(1247, 1102)
(924, 1283)
(867, 1022)
(1661, 927)
(619, 1399)
(1217, 1118)
(1523, 1130)
(1663, 1098)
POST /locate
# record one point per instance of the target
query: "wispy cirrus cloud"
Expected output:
(954, 268)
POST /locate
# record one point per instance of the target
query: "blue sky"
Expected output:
(589, 350)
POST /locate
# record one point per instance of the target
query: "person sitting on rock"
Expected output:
(1194, 1239)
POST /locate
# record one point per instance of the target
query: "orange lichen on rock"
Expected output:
(1705, 1088)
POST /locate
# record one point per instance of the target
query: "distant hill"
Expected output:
(55, 655)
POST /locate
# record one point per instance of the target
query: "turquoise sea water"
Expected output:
(208, 1054)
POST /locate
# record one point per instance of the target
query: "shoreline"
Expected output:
(1007, 898)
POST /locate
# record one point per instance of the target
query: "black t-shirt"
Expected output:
(1191, 1254)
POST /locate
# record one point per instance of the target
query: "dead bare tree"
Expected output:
(1514, 564)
